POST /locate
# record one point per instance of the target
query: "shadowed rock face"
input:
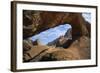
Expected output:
(35, 22)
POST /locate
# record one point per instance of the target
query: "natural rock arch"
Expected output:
(35, 22)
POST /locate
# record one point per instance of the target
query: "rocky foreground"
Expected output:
(77, 48)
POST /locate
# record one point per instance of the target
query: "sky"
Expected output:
(87, 17)
(51, 34)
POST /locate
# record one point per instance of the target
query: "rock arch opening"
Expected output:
(56, 36)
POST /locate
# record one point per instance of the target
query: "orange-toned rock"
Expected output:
(36, 22)
(83, 46)
(78, 48)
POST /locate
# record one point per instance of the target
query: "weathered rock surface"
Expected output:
(83, 44)
(60, 55)
(34, 52)
(36, 22)
(78, 48)
(27, 45)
